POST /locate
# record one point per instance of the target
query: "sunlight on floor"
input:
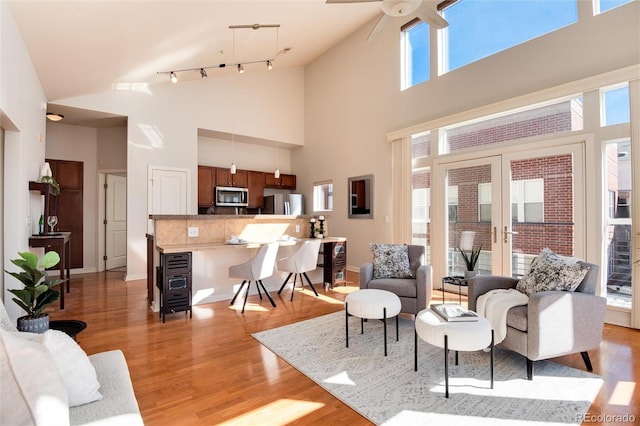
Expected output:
(203, 312)
(249, 307)
(280, 412)
(622, 394)
(346, 289)
(340, 379)
(320, 296)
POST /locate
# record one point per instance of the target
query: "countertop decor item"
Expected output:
(38, 291)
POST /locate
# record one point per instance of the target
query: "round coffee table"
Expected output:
(70, 327)
(372, 304)
(458, 336)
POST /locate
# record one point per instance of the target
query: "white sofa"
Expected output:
(22, 403)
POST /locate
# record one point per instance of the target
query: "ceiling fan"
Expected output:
(401, 8)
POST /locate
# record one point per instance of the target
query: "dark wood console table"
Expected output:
(60, 243)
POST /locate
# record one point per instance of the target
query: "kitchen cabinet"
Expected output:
(256, 189)
(225, 178)
(283, 182)
(206, 182)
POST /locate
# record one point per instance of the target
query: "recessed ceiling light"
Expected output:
(54, 117)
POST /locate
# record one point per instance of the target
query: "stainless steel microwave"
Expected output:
(231, 196)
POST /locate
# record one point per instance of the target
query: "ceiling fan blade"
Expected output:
(377, 29)
(350, 1)
(431, 17)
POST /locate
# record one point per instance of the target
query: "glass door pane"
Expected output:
(471, 213)
(421, 210)
(542, 212)
(618, 223)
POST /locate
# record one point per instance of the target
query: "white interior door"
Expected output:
(116, 222)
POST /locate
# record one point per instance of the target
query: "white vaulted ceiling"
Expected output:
(83, 47)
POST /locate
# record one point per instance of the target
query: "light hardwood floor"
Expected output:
(209, 370)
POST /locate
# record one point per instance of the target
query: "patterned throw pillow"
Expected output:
(550, 271)
(391, 261)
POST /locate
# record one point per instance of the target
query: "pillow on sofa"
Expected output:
(32, 390)
(77, 372)
(391, 261)
(550, 271)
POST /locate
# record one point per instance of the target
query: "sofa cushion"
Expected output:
(390, 261)
(402, 287)
(517, 317)
(77, 372)
(550, 271)
(32, 390)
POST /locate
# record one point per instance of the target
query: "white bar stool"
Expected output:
(259, 267)
(302, 261)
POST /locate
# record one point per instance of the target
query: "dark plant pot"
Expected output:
(34, 325)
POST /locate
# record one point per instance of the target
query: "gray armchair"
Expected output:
(414, 293)
(553, 323)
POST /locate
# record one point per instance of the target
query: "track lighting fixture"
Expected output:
(203, 73)
(240, 68)
(269, 65)
(173, 77)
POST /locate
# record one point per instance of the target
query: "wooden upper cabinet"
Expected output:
(225, 178)
(256, 189)
(206, 180)
(283, 182)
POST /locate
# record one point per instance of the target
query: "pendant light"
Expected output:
(233, 114)
(276, 173)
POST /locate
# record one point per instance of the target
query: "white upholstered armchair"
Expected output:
(553, 323)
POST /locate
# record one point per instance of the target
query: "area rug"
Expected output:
(387, 390)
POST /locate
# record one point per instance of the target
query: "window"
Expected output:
(550, 118)
(527, 200)
(614, 103)
(604, 5)
(484, 202)
(452, 203)
(481, 28)
(415, 54)
(322, 196)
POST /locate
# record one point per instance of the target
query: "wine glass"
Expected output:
(52, 221)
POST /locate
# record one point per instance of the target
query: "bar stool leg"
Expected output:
(266, 292)
(238, 292)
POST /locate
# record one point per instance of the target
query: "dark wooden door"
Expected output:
(68, 205)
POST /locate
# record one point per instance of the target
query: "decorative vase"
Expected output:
(470, 274)
(45, 171)
(34, 325)
(319, 236)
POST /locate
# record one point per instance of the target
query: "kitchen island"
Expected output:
(206, 238)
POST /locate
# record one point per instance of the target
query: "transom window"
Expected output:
(614, 103)
(415, 54)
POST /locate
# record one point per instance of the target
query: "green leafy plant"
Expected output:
(470, 258)
(37, 293)
(52, 181)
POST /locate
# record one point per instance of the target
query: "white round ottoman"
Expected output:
(457, 336)
(372, 304)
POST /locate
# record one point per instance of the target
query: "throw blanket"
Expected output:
(494, 306)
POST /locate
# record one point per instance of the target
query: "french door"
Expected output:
(512, 205)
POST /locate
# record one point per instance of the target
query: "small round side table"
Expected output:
(70, 327)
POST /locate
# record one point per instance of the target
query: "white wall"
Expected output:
(163, 122)
(77, 143)
(23, 117)
(352, 99)
(112, 148)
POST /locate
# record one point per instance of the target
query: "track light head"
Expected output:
(240, 68)
(203, 73)
(269, 65)
(173, 77)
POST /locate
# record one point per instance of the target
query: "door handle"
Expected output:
(507, 233)
(495, 234)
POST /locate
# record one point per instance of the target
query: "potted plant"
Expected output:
(37, 293)
(470, 261)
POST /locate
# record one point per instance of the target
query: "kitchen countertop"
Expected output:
(229, 216)
(178, 248)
